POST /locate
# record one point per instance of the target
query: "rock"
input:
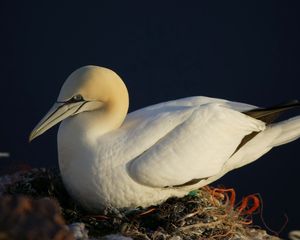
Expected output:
(24, 218)
(115, 237)
(79, 231)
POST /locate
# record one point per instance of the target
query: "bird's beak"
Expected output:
(58, 112)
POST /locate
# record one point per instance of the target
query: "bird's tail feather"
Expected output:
(257, 144)
(268, 115)
(274, 135)
(290, 131)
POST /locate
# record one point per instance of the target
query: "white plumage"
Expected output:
(109, 158)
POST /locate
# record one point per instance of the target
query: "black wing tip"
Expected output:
(291, 102)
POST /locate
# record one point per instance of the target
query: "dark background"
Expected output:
(245, 51)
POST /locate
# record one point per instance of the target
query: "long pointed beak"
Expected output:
(57, 113)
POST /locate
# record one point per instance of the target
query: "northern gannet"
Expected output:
(110, 158)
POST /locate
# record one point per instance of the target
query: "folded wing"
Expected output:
(196, 147)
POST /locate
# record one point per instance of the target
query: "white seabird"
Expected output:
(110, 158)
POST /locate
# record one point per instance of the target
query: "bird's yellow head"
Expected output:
(89, 88)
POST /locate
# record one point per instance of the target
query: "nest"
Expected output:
(208, 213)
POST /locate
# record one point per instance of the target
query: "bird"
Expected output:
(111, 158)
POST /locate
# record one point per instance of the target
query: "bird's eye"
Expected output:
(77, 98)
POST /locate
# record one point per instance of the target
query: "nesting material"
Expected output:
(208, 213)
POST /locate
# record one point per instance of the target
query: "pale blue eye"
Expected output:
(77, 98)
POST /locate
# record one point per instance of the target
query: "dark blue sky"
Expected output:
(245, 51)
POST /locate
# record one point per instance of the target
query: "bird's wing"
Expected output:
(185, 144)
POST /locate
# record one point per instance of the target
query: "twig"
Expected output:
(191, 215)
